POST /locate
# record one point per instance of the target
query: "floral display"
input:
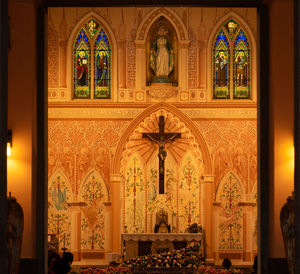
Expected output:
(118, 269)
(185, 257)
(214, 270)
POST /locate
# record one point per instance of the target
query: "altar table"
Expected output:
(140, 244)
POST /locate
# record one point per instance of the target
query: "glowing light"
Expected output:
(8, 149)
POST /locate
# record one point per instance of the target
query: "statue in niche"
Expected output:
(162, 225)
(161, 57)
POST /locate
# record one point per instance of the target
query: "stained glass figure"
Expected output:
(92, 27)
(231, 27)
(81, 66)
(241, 67)
(102, 67)
(221, 67)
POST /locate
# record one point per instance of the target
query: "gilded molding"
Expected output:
(131, 113)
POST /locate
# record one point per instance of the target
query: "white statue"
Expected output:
(161, 54)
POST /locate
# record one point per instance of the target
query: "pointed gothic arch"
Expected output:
(113, 47)
(177, 113)
(252, 41)
(170, 15)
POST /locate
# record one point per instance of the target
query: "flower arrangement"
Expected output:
(185, 257)
(108, 270)
(214, 270)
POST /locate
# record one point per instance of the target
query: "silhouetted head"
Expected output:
(226, 263)
(68, 256)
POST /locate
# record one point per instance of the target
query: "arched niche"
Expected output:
(172, 45)
(114, 58)
(252, 42)
(178, 29)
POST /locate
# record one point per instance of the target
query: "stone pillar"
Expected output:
(75, 235)
(122, 63)
(140, 64)
(183, 65)
(202, 64)
(107, 227)
(248, 230)
(208, 202)
(115, 181)
(62, 63)
(215, 225)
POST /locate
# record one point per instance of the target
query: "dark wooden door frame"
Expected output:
(3, 132)
(297, 130)
(263, 112)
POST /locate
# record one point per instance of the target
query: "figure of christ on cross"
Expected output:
(161, 139)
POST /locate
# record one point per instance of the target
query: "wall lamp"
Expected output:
(9, 142)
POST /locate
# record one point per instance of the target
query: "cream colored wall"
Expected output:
(281, 116)
(21, 93)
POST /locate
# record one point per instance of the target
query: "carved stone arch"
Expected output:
(102, 182)
(170, 15)
(191, 134)
(253, 48)
(114, 48)
(222, 181)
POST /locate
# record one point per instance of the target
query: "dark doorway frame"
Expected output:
(262, 117)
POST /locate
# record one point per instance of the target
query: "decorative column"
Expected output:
(215, 228)
(248, 227)
(122, 63)
(62, 63)
(62, 42)
(183, 65)
(115, 182)
(107, 227)
(122, 54)
(202, 44)
(202, 64)
(140, 64)
(75, 234)
(208, 191)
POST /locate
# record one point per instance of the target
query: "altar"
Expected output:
(140, 244)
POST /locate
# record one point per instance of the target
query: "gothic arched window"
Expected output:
(82, 66)
(91, 46)
(221, 61)
(231, 62)
(241, 67)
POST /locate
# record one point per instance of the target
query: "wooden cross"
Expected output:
(161, 139)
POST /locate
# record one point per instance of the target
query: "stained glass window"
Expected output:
(231, 27)
(81, 66)
(91, 62)
(102, 66)
(241, 68)
(231, 62)
(221, 67)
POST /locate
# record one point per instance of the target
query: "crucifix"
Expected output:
(161, 139)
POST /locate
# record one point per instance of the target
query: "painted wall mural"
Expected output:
(229, 194)
(213, 61)
(79, 161)
(59, 194)
(94, 193)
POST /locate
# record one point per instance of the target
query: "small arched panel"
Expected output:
(229, 194)
(59, 220)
